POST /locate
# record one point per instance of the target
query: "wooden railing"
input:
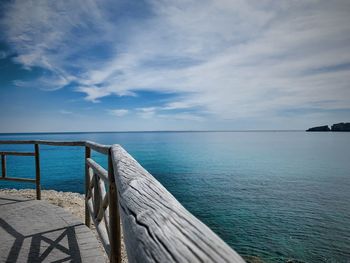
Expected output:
(101, 205)
(27, 180)
(157, 228)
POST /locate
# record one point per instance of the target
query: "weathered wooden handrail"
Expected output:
(157, 228)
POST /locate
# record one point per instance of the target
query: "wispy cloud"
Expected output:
(233, 59)
(118, 112)
(146, 113)
(179, 105)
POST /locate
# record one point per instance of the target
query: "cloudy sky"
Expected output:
(95, 65)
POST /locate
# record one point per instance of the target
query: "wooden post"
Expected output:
(37, 172)
(97, 194)
(87, 186)
(114, 219)
(3, 166)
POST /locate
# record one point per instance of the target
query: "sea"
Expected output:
(273, 196)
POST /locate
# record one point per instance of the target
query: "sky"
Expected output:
(118, 65)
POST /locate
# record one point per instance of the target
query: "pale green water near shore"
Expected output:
(274, 195)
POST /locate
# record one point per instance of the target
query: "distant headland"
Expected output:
(338, 127)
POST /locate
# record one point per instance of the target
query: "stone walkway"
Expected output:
(36, 231)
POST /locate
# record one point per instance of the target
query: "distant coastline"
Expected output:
(337, 127)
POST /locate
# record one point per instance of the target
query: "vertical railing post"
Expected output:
(114, 219)
(37, 172)
(3, 166)
(87, 186)
(97, 194)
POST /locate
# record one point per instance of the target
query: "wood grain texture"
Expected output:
(157, 228)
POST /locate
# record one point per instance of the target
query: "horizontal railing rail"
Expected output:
(104, 149)
(44, 142)
(18, 153)
(4, 176)
(157, 228)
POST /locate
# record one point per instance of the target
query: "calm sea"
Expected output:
(275, 196)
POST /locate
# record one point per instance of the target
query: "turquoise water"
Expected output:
(274, 195)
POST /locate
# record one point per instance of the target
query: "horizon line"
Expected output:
(147, 131)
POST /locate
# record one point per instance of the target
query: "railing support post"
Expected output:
(97, 194)
(87, 186)
(114, 218)
(3, 166)
(37, 172)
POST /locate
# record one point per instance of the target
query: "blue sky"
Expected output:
(88, 65)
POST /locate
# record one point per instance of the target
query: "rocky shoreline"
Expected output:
(72, 202)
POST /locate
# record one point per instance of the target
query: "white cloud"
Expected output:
(238, 58)
(118, 112)
(178, 105)
(253, 63)
(147, 112)
(93, 93)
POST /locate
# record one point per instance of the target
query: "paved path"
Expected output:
(36, 231)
